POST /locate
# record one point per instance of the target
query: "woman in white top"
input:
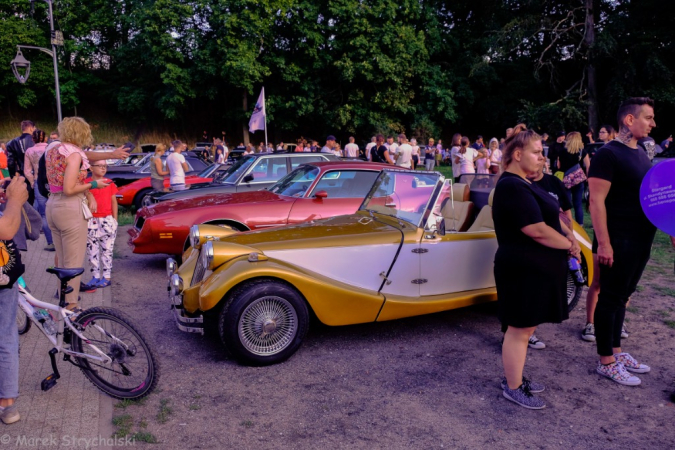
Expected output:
(456, 144)
(466, 157)
(415, 152)
(495, 157)
(337, 150)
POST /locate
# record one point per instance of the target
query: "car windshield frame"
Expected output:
(236, 170)
(208, 171)
(434, 180)
(286, 182)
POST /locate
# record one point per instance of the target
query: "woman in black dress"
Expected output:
(531, 262)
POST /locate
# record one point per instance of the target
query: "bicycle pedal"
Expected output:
(49, 382)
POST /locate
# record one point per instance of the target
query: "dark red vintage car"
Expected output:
(312, 191)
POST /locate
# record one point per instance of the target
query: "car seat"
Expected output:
(484, 220)
(458, 213)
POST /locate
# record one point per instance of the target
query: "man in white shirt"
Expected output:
(404, 153)
(370, 146)
(177, 166)
(391, 146)
(351, 149)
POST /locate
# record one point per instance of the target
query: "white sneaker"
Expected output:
(631, 363)
(588, 333)
(617, 372)
(624, 331)
(535, 343)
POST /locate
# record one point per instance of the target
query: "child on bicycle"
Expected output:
(102, 227)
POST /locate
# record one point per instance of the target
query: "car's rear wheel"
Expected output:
(263, 322)
(574, 290)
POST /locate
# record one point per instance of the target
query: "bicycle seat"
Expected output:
(65, 274)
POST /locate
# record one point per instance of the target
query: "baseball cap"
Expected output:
(330, 137)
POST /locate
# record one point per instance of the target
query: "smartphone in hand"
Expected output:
(130, 146)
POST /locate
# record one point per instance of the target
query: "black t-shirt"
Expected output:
(557, 190)
(625, 168)
(553, 152)
(517, 204)
(378, 154)
(568, 160)
(590, 151)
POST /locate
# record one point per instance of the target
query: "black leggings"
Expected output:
(617, 283)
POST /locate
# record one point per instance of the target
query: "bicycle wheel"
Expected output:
(23, 322)
(134, 370)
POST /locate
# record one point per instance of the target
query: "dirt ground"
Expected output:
(424, 382)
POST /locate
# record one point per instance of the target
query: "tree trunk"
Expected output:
(245, 125)
(591, 85)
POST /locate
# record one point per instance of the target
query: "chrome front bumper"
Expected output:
(183, 322)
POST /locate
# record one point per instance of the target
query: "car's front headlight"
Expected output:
(194, 236)
(175, 285)
(207, 255)
(171, 266)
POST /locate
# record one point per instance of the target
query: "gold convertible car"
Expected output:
(412, 248)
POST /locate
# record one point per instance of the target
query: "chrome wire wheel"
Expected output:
(268, 325)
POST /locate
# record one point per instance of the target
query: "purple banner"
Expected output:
(657, 196)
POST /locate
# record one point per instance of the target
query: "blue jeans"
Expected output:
(577, 202)
(41, 206)
(9, 343)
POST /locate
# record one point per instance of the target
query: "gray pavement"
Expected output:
(74, 413)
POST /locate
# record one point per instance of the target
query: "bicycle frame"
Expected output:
(28, 304)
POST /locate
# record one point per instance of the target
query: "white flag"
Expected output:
(257, 121)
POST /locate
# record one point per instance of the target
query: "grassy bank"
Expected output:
(103, 132)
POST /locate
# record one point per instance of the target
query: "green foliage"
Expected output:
(343, 66)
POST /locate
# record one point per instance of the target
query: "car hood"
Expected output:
(194, 190)
(341, 231)
(210, 200)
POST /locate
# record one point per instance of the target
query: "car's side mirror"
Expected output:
(321, 194)
(248, 178)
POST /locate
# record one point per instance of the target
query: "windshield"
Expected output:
(405, 195)
(138, 160)
(235, 171)
(296, 183)
(208, 172)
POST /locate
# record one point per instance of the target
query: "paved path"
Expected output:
(73, 409)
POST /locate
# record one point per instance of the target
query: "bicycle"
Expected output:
(104, 343)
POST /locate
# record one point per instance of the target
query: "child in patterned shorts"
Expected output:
(102, 228)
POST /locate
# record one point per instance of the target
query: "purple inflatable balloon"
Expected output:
(657, 196)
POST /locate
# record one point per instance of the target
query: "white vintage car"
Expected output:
(414, 247)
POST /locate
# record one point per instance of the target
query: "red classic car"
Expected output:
(312, 191)
(133, 193)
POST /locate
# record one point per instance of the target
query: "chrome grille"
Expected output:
(199, 270)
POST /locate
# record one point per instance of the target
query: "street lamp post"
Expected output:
(21, 63)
